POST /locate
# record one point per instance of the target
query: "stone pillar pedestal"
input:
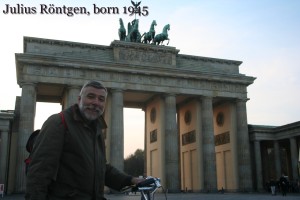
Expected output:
(243, 148)
(277, 159)
(3, 155)
(171, 145)
(26, 125)
(258, 165)
(209, 154)
(117, 130)
(294, 158)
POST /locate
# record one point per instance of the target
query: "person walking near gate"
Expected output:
(283, 182)
(273, 186)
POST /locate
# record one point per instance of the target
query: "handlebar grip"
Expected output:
(146, 182)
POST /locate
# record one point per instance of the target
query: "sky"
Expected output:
(263, 34)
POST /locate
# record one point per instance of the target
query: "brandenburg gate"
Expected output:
(196, 131)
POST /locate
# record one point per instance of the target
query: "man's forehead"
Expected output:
(93, 90)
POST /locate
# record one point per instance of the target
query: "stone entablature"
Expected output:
(5, 118)
(274, 132)
(132, 53)
(208, 65)
(58, 48)
(130, 63)
(191, 86)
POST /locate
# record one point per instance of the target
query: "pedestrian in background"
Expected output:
(283, 182)
(273, 186)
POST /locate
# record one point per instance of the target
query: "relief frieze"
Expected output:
(143, 57)
(55, 71)
(141, 79)
(221, 139)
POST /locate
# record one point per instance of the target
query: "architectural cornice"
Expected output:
(60, 43)
(129, 57)
(212, 60)
(43, 60)
(144, 47)
(7, 115)
(258, 132)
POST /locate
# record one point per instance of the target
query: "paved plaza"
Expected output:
(193, 196)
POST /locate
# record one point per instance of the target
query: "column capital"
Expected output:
(242, 100)
(115, 90)
(27, 83)
(73, 87)
(205, 98)
(170, 94)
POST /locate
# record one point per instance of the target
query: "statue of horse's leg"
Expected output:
(146, 38)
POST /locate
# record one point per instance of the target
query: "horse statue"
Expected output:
(149, 35)
(133, 32)
(122, 31)
(162, 36)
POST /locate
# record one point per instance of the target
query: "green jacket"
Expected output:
(68, 160)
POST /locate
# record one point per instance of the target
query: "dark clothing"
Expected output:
(31, 139)
(283, 182)
(29, 147)
(69, 162)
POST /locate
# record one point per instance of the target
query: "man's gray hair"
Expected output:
(95, 84)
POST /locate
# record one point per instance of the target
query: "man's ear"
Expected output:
(79, 98)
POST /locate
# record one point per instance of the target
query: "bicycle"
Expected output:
(147, 188)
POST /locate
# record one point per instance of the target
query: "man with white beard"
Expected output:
(68, 157)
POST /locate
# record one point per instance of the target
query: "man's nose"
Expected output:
(96, 101)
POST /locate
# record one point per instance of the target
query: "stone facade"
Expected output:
(6, 118)
(275, 152)
(200, 150)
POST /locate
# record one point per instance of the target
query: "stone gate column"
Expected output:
(209, 154)
(171, 145)
(258, 165)
(3, 154)
(199, 144)
(264, 151)
(294, 157)
(26, 125)
(243, 148)
(117, 130)
(277, 159)
(72, 95)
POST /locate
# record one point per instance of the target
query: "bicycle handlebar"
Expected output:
(147, 188)
(150, 184)
(146, 182)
